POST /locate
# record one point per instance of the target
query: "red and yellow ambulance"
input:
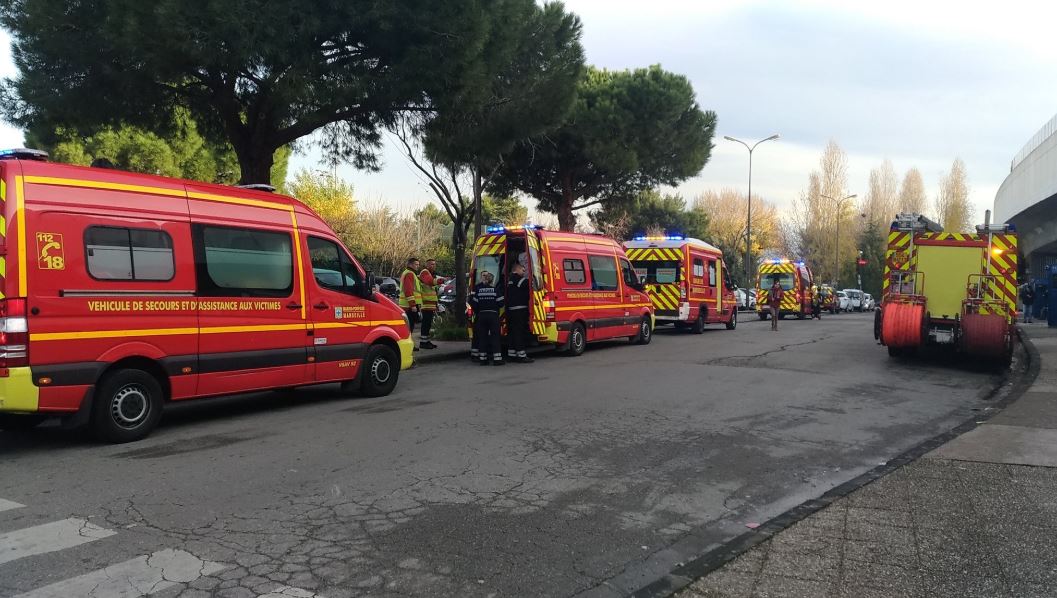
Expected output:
(687, 280)
(797, 286)
(583, 288)
(122, 292)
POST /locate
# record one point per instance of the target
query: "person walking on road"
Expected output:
(517, 314)
(486, 301)
(774, 300)
(1027, 297)
(430, 283)
(411, 293)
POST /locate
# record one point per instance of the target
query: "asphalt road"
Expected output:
(572, 476)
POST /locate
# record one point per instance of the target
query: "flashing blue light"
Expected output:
(639, 238)
(675, 238)
(495, 228)
(1012, 227)
(800, 263)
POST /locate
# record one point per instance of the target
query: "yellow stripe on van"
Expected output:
(300, 268)
(86, 184)
(20, 217)
(358, 323)
(91, 334)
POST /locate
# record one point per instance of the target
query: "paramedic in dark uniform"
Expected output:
(517, 314)
(486, 301)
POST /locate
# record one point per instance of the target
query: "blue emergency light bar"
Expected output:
(660, 238)
(500, 228)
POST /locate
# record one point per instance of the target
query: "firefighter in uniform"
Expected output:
(411, 293)
(430, 282)
(517, 314)
(486, 301)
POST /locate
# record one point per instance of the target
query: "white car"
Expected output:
(855, 299)
(843, 302)
(868, 302)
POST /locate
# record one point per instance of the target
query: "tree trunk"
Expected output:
(478, 211)
(255, 162)
(458, 245)
(566, 217)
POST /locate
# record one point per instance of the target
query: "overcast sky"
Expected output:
(917, 82)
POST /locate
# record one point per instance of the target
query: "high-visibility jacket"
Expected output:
(430, 286)
(410, 289)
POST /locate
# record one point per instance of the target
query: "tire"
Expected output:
(127, 406)
(762, 315)
(895, 352)
(732, 323)
(800, 315)
(577, 340)
(645, 334)
(11, 422)
(698, 327)
(381, 370)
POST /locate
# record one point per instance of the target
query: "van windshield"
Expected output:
(657, 271)
(784, 278)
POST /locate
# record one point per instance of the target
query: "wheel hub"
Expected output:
(130, 406)
(381, 371)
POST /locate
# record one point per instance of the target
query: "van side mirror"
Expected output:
(366, 290)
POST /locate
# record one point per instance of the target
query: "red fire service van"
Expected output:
(583, 287)
(687, 280)
(122, 292)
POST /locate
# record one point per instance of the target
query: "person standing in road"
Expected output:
(486, 301)
(411, 293)
(517, 314)
(1027, 297)
(430, 283)
(774, 300)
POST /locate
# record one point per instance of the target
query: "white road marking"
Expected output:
(289, 592)
(141, 576)
(49, 537)
(7, 505)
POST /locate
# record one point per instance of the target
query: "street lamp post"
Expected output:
(748, 216)
(836, 256)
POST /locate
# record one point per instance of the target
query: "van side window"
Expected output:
(699, 268)
(115, 253)
(243, 262)
(711, 273)
(631, 279)
(574, 271)
(331, 267)
(603, 272)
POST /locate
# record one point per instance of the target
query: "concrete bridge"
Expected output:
(1028, 199)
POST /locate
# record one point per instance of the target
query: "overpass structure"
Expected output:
(1028, 200)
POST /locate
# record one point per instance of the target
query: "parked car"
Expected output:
(868, 302)
(842, 301)
(855, 300)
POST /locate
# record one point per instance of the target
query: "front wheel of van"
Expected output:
(645, 334)
(381, 368)
(732, 323)
(127, 406)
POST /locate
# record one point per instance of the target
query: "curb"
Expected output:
(679, 578)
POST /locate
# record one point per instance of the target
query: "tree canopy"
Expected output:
(651, 213)
(182, 152)
(628, 131)
(258, 74)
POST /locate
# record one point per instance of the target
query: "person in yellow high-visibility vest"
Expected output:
(411, 293)
(430, 285)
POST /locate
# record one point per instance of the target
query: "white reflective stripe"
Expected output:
(148, 574)
(42, 539)
(7, 505)
(512, 308)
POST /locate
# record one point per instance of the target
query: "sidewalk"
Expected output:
(976, 516)
(445, 351)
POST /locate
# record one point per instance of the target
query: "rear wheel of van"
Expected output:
(381, 368)
(698, 326)
(762, 315)
(732, 323)
(127, 406)
(645, 334)
(577, 340)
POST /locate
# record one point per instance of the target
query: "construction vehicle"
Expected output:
(948, 288)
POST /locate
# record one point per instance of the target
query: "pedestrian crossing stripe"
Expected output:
(7, 505)
(49, 537)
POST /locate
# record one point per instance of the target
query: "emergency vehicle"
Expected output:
(583, 288)
(122, 292)
(796, 281)
(828, 299)
(687, 280)
(952, 289)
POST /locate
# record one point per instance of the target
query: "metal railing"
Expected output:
(1047, 130)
